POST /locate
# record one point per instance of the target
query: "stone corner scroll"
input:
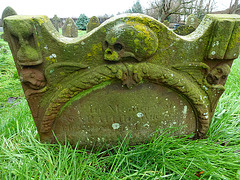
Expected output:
(130, 75)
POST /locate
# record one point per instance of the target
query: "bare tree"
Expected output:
(204, 7)
(162, 9)
(233, 7)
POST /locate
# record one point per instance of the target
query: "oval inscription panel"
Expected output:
(114, 111)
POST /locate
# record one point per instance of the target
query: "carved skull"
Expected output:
(219, 74)
(130, 40)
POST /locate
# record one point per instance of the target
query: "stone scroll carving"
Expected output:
(130, 75)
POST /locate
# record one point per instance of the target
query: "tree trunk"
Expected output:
(233, 7)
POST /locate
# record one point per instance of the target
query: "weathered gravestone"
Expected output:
(69, 28)
(8, 11)
(193, 21)
(132, 75)
(55, 21)
(184, 30)
(93, 23)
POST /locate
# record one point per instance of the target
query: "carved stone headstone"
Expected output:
(131, 76)
(55, 21)
(69, 28)
(184, 30)
(93, 23)
(8, 11)
(192, 20)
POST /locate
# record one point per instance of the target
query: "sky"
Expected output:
(73, 8)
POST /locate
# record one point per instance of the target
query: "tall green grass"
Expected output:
(22, 156)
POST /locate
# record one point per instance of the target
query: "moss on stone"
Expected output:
(109, 55)
(28, 52)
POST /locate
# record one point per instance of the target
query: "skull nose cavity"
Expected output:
(108, 51)
(113, 51)
(111, 55)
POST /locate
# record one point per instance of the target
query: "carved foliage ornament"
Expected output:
(61, 75)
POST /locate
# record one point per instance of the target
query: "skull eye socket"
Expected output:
(219, 70)
(117, 47)
(106, 44)
(224, 77)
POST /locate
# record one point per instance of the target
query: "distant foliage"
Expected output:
(82, 22)
(136, 8)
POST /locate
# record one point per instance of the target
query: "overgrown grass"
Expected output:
(22, 156)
